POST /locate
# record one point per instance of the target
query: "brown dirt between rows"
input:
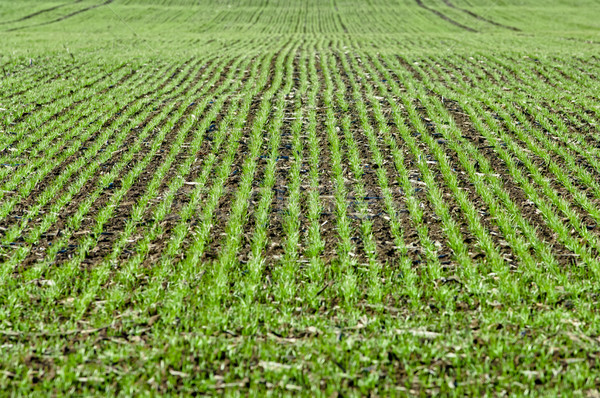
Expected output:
(182, 196)
(581, 129)
(22, 207)
(55, 116)
(381, 231)
(121, 216)
(587, 220)
(88, 141)
(530, 211)
(386, 249)
(275, 233)
(180, 199)
(274, 228)
(232, 184)
(382, 236)
(50, 236)
(517, 195)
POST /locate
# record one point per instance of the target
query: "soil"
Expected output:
(376, 211)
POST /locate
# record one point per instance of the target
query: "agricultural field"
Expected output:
(312, 198)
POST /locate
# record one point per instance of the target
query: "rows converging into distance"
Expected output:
(408, 190)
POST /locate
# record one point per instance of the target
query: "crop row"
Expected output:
(384, 127)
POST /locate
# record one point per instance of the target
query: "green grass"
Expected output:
(386, 197)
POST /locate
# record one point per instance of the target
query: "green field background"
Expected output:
(176, 322)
